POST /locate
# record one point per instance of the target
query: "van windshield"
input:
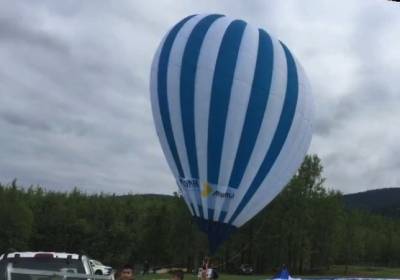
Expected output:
(48, 264)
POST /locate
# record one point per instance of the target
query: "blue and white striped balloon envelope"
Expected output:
(233, 111)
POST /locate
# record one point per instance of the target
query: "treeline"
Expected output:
(306, 227)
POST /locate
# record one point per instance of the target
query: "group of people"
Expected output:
(127, 272)
(207, 274)
(207, 271)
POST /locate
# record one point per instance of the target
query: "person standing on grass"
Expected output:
(127, 273)
(199, 273)
(178, 275)
(146, 267)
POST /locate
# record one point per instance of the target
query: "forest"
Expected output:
(308, 227)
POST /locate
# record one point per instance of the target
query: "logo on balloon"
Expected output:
(207, 190)
(189, 183)
(228, 195)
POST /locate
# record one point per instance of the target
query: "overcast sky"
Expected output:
(74, 88)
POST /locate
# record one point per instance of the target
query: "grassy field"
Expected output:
(359, 271)
(192, 277)
(365, 271)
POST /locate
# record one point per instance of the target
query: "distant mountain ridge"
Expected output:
(380, 201)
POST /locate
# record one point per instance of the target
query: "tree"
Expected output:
(15, 219)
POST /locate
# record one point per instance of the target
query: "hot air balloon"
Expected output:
(233, 112)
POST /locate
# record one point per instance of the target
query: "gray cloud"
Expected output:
(74, 94)
(14, 33)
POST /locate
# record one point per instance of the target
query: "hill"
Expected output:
(380, 201)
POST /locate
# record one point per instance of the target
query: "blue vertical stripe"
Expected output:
(222, 216)
(281, 133)
(162, 91)
(259, 95)
(192, 207)
(187, 85)
(210, 214)
(220, 95)
(200, 207)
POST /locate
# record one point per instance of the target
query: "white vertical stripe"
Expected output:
(273, 185)
(306, 87)
(186, 197)
(155, 106)
(173, 88)
(289, 159)
(203, 86)
(305, 135)
(240, 95)
(268, 126)
(307, 109)
(287, 162)
(279, 177)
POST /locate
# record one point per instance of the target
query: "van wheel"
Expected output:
(98, 272)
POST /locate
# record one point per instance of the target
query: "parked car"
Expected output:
(43, 261)
(246, 269)
(99, 268)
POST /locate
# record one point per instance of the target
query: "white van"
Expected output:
(45, 265)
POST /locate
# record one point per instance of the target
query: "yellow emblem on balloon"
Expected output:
(207, 190)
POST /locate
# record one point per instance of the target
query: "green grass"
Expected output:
(359, 271)
(364, 271)
(193, 277)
